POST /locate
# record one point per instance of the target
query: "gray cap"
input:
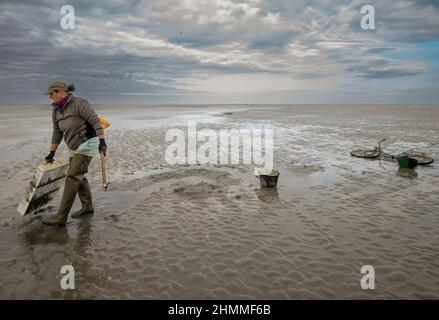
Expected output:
(56, 86)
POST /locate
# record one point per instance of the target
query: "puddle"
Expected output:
(290, 185)
(137, 175)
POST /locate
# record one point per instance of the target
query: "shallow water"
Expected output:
(210, 231)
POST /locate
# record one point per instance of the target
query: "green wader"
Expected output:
(76, 183)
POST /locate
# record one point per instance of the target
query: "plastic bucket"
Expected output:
(407, 162)
(268, 181)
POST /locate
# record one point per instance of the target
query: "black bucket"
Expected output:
(268, 181)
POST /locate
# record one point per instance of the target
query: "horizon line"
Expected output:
(231, 104)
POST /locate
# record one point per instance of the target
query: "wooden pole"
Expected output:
(104, 171)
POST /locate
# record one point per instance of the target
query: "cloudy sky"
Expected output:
(222, 51)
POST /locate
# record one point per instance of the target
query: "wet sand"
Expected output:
(210, 231)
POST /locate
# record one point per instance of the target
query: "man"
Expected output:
(75, 120)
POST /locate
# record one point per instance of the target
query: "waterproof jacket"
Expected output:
(76, 120)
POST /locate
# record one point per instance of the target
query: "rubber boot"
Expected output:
(84, 194)
(74, 178)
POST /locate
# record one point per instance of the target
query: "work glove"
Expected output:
(102, 146)
(50, 157)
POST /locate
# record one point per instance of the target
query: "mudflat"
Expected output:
(210, 231)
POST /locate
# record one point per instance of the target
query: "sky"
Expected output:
(222, 51)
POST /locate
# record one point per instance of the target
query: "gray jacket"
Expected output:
(76, 121)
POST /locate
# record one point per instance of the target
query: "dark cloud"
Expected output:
(176, 40)
(389, 73)
(428, 3)
(385, 69)
(275, 42)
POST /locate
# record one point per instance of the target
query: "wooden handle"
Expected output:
(103, 170)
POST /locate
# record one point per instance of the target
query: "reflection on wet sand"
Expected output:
(39, 234)
(268, 195)
(409, 173)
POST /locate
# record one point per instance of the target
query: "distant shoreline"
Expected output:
(201, 105)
